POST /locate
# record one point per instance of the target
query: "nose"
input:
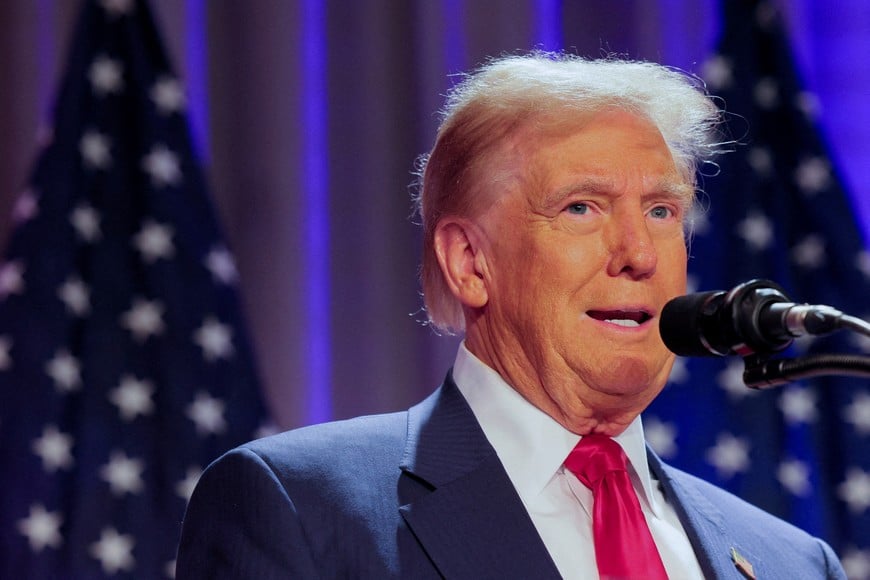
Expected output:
(631, 247)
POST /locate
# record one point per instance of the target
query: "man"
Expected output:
(554, 207)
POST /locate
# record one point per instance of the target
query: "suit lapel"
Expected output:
(704, 523)
(465, 513)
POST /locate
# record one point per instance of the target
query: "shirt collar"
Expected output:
(530, 444)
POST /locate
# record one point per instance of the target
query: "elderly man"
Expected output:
(554, 207)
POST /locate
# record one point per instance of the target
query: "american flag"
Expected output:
(776, 210)
(124, 366)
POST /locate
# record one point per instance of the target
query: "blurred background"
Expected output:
(307, 118)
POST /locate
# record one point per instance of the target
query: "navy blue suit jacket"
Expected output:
(422, 494)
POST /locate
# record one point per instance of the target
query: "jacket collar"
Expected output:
(469, 520)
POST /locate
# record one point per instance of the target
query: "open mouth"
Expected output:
(626, 318)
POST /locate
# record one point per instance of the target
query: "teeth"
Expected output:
(623, 322)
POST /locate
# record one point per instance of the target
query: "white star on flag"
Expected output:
(86, 222)
(731, 379)
(757, 230)
(168, 96)
(26, 207)
(207, 413)
(54, 448)
(220, 263)
(808, 103)
(154, 241)
(855, 491)
(662, 437)
(11, 278)
(75, 295)
(729, 456)
(132, 397)
(65, 370)
(679, 372)
(163, 166)
(5, 357)
(144, 319)
(114, 551)
(106, 76)
(717, 72)
(856, 564)
(215, 339)
(766, 93)
(117, 8)
(123, 474)
(863, 262)
(760, 160)
(813, 175)
(185, 487)
(94, 148)
(798, 405)
(858, 413)
(809, 252)
(795, 476)
(41, 528)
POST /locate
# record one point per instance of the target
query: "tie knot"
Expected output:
(594, 457)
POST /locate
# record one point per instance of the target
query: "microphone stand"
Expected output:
(761, 372)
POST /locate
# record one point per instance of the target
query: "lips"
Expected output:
(629, 318)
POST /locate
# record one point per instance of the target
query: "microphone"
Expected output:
(755, 317)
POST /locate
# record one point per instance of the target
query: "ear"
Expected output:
(462, 261)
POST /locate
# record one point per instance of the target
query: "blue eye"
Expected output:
(660, 212)
(578, 208)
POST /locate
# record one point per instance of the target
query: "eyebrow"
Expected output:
(600, 186)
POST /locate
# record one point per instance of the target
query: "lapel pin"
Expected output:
(742, 564)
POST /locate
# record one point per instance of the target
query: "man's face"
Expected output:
(581, 256)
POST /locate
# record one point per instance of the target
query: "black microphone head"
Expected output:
(683, 323)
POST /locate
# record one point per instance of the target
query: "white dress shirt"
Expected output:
(532, 446)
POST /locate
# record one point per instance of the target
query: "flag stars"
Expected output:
(813, 175)
(185, 487)
(809, 252)
(168, 95)
(41, 528)
(123, 474)
(679, 372)
(54, 448)
(95, 150)
(220, 263)
(114, 551)
(756, 230)
(808, 103)
(798, 405)
(662, 437)
(729, 456)
(718, 72)
(163, 166)
(144, 319)
(855, 490)
(115, 8)
(65, 370)
(731, 379)
(106, 76)
(11, 278)
(761, 160)
(766, 93)
(794, 476)
(86, 222)
(215, 339)
(154, 241)
(76, 296)
(862, 262)
(207, 413)
(26, 207)
(858, 413)
(5, 356)
(856, 564)
(132, 397)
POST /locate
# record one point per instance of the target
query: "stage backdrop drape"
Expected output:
(308, 116)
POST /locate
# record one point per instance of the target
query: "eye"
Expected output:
(578, 208)
(661, 212)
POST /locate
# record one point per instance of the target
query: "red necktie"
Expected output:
(624, 547)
